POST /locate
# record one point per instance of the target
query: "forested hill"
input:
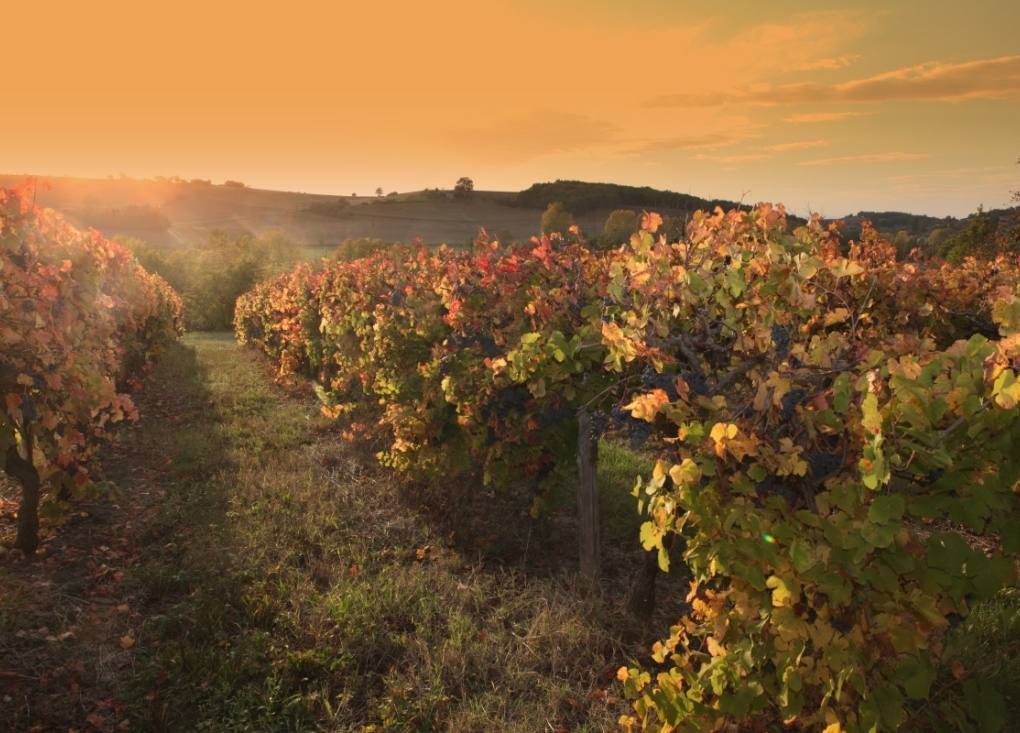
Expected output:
(580, 197)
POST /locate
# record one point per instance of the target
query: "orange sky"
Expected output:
(827, 106)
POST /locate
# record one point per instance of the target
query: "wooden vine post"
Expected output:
(588, 496)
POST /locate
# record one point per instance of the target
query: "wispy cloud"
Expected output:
(870, 158)
(689, 142)
(986, 79)
(732, 158)
(822, 116)
(834, 63)
(996, 173)
(784, 147)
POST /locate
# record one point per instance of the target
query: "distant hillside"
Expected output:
(580, 197)
(173, 213)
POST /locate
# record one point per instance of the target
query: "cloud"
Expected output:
(985, 172)
(871, 158)
(689, 142)
(822, 116)
(986, 79)
(784, 147)
(732, 158)
(837, 63)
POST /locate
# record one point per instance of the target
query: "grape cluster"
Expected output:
(470, 338)
(781, 338)
(512, 400)
(638, 431)
(28, 408)
(553, 416)
(772, 485)
(824, 465)
(840, 625)
(397, 298)
(696, 382)
(600, 423)
(936, 474)
(606, 302)
(789, 402)
(651, 379)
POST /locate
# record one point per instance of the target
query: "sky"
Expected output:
(829, 107)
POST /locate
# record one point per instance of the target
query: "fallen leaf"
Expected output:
(958, 670)
(126, 642)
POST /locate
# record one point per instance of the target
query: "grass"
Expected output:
(292, 585)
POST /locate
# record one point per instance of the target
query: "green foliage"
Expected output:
(583, 197)
(904, 243)
(211, 276)
(354, 249)
(977, 240)
(620, 225)
(556, 219)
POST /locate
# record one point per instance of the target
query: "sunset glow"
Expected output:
(827, 106)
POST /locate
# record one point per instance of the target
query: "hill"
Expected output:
(173, 213)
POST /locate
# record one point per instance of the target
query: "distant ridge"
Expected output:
(580, 197)
(171, 212)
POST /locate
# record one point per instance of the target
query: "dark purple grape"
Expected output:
(28, 408)
(639, 431)
(824, 465)
(696, 382)
(781, 338)
(651, 379)
(790, 401)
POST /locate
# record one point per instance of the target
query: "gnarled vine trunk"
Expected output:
(24, 471)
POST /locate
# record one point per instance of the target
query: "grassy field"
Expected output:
(257, 573)
(254, 572)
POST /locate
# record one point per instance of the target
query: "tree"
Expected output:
(464, 188)
(379, 191)
(556, 219)
(977, 240)
(620, 225)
